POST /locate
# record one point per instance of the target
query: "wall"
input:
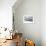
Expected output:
(6, 13)
(43, 22)
(30, 31)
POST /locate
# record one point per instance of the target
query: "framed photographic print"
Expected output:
(28, 19)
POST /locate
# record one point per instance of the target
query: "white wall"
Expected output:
(31, 31)
(6, 13)
(43, 22)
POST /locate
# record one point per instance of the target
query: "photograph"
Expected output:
(28, 19)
